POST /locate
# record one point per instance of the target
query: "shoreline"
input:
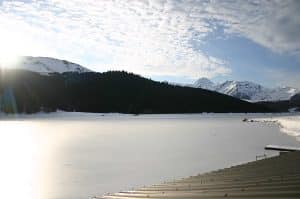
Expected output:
(6, 115)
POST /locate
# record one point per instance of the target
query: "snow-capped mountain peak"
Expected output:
(247, 90)
(204, 83)
(46, 65)
(240, 89)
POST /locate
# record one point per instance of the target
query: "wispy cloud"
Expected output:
(152, 37)
(274, 24)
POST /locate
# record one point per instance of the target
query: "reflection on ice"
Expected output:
(20, 159)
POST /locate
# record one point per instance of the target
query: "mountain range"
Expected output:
(244, 90)
(247, 90)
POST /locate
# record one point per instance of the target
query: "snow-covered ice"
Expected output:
(288, 124)
(80, 155)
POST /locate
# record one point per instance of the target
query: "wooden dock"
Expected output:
(275, 177)
(281, 148)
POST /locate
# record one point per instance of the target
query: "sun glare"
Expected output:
(17, 150)
(12, 46)
(8, 60)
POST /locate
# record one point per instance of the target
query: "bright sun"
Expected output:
(8, 60)
(11, 47)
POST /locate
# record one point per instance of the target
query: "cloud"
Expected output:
(149, 37)
(273, 24)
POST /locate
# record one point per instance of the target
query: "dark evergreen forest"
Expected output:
(114, 91)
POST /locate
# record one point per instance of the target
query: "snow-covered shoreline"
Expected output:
(63, 114)
(289, 124)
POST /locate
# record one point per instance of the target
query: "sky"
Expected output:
(173, 40)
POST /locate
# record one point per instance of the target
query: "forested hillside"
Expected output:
(122, 92)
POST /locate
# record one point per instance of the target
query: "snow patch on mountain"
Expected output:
(46, 65)
(247, 90)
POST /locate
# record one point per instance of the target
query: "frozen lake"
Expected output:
(76, 155)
